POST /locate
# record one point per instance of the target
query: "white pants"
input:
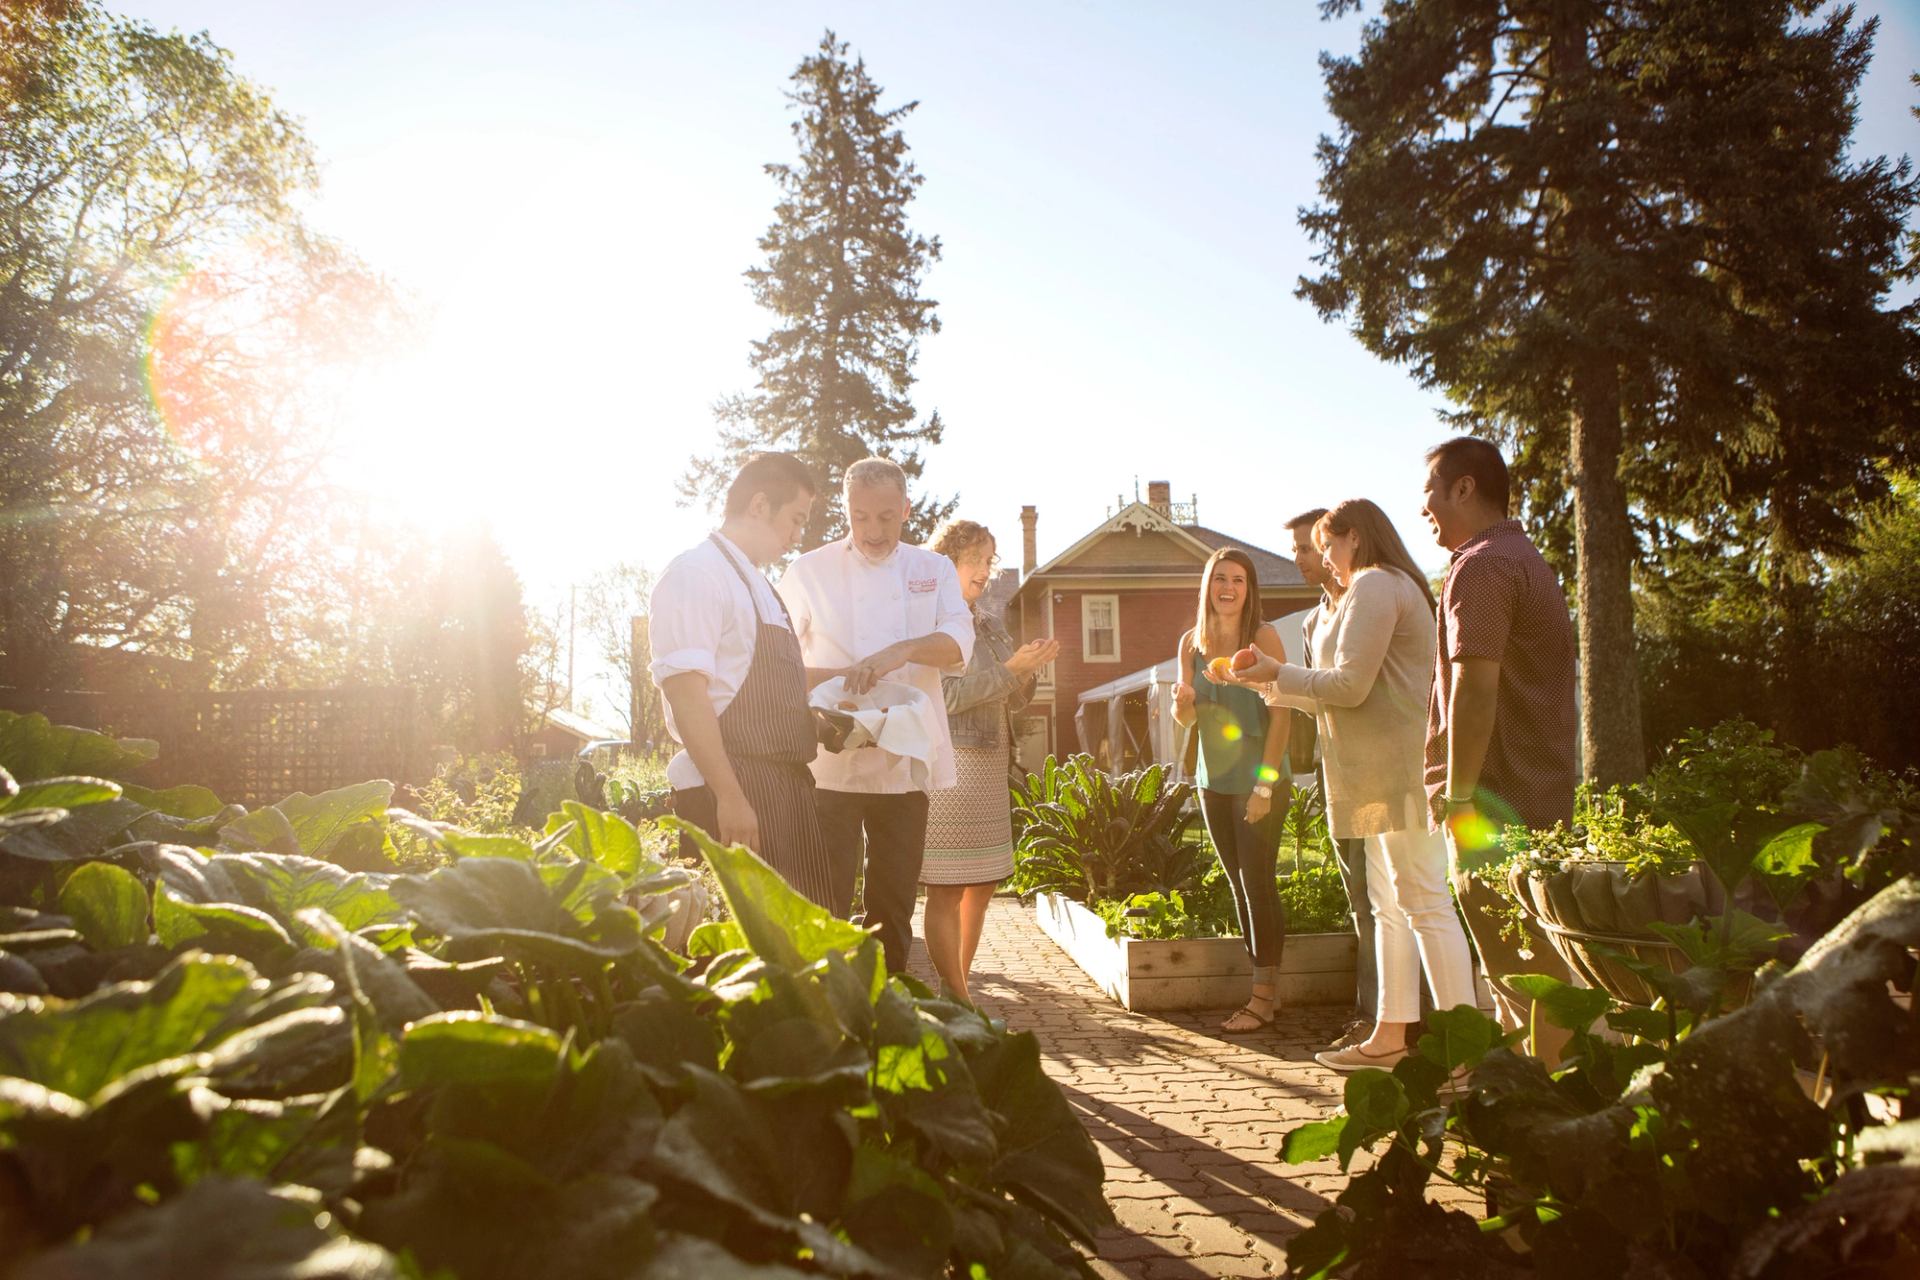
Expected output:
(1415, 925)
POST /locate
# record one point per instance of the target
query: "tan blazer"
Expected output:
(1368, 686)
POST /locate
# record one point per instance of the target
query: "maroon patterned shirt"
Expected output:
(1502, 601)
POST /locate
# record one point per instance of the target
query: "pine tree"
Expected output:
(1625, 238)
(842, 277)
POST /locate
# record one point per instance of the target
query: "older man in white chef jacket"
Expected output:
(872, 607)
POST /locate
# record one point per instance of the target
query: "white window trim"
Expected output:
(1086, 630)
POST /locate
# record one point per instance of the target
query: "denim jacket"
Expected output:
(988, 693)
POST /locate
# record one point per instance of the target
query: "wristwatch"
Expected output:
(1262, 790)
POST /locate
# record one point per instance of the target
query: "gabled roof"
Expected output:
(1135, 518)
(1140, 518)
(1274, 570)
(581, 727)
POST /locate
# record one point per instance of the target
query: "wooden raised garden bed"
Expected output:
(1194, 973)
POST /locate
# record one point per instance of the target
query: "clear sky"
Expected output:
(570, 191)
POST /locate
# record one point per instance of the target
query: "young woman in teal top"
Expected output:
(1242, 775)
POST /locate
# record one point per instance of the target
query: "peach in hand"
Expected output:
(1245, 658)
(1219, 670)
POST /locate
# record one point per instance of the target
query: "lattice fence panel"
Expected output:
(257, 746)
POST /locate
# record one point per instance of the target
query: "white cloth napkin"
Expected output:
(892, 716)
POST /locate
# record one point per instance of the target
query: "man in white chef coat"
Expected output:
(872, 607)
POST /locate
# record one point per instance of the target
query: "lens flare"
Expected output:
(242, 344)
(173, 382)
(1475, 832)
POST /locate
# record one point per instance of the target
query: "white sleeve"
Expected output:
(686, 615)
(792, 589)
(951, 615)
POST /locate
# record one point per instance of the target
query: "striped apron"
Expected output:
(768, 734)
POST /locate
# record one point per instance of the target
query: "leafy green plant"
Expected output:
(1090, 835)
(476, 793)
(1159, 917)
(1303, 827)
(636, 788)
(492, 1069)
(1677, 1145)
(1314, 898)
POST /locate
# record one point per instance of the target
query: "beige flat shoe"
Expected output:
(1355, 1058)
(1356, 1034)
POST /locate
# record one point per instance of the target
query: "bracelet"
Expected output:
(1457, 799)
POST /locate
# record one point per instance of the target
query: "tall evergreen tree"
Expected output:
(1625, 238)
(842, 277)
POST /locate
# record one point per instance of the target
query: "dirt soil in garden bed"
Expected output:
(1188, 1120)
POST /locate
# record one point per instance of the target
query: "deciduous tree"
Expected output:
(609, 603)
(164, 321)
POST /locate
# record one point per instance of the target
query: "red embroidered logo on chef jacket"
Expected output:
(920, 586)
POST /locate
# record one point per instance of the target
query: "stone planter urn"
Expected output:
(1589, 910)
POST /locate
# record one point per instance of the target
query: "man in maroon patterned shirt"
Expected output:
(1500, 723)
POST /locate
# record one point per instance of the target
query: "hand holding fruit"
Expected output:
(1224, 670)
(1249, 666)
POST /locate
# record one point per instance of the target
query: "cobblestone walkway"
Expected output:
(1188, 1120)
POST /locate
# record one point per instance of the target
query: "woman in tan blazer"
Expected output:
(1368, 689)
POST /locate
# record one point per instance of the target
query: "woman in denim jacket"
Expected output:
(970, 826)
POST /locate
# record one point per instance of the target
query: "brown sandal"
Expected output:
(1245, 1011)
(1248, 1011)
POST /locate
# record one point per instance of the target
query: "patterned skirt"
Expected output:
(970, 825)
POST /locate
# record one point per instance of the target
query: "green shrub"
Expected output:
(1759, 815)
(1314, 898)
(1672, 1145)
(477, 793)
(640, 774)
(1157, 916)
(1303, 828)
(1089, 835)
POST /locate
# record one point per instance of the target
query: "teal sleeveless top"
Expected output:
(1232, 723)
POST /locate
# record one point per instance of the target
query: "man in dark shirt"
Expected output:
(1500, 725)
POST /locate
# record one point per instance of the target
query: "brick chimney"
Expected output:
(1160, 496)
(1029, 541)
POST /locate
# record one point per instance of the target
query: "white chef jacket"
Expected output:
(845, 608)
(700, 618)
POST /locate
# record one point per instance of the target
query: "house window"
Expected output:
(1100, 628)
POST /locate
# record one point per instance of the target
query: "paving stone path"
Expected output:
(1187, 1120)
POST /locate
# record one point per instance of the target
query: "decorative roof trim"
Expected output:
(1136, 518)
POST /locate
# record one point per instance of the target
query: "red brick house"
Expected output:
(1118, 599)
